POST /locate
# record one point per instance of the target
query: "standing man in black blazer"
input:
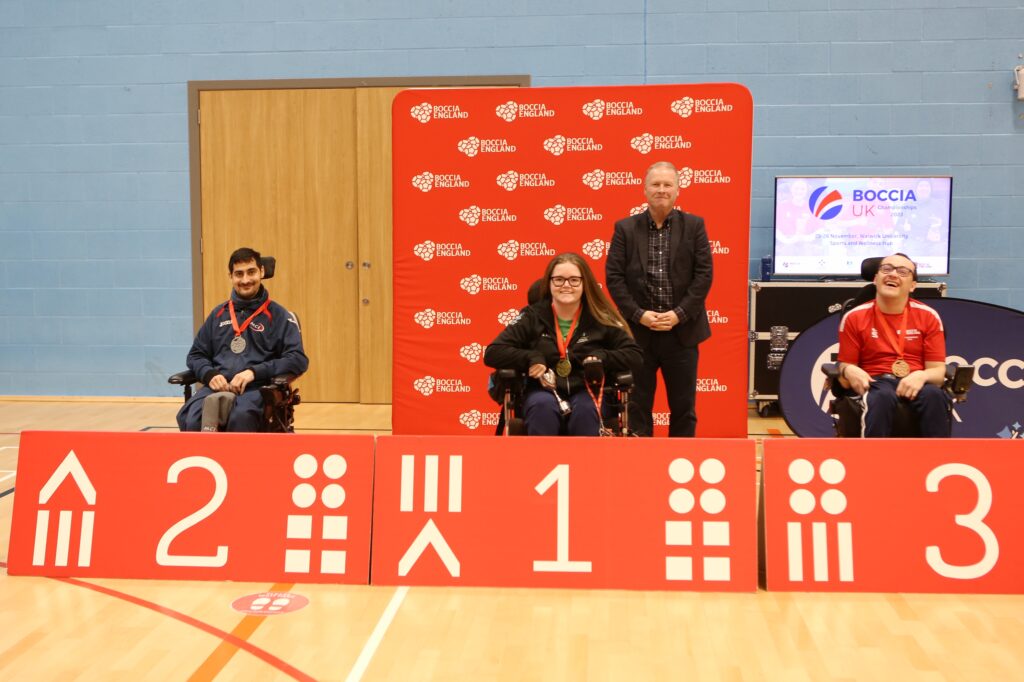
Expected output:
(659, 273)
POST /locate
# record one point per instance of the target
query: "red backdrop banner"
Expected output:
(894, 515)
(549, 512)
(489, 184)
(261, 507)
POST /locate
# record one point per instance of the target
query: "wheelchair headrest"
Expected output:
(535, 292)
(868, 267)
(269, 264)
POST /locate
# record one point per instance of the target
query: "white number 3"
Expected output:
(973, 521)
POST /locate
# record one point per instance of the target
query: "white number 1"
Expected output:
(220, 491)
(560, 476)
(973, 521)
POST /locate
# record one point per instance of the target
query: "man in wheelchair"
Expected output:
(244, 343)
(893, 349)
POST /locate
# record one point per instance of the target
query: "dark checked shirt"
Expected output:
(659, 262)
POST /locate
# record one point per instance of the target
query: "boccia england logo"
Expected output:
(425, 111)
(472, 352)
(429, 317)
(474, 284)
(511, 110)
(429, 385)
(474, 215)
(508, 317)
(682, 107)
(595, 248)
(471, 146)
(474, 419)
(825, 204)
(597, 178)
(647, 142)
(428, 249)
(511, 180)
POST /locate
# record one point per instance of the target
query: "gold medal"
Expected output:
(237, 345)
(564, 367)
(900, 368)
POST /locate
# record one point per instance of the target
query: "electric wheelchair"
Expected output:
(507, 387)
(846, 407)
(279, 396)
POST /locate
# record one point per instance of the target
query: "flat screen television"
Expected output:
(825, 226)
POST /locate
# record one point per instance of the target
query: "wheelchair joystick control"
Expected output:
(593, 374)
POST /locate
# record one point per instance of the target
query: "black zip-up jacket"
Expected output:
(531, 340)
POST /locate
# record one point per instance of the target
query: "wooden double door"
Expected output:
(304, 174)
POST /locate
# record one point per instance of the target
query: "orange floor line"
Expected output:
(224, 652)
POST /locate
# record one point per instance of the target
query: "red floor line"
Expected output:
(263, 655)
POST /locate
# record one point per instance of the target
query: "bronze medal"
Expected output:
(900, 368)
(237, 345)
(563, 368)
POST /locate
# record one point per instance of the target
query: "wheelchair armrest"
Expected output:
(183, 378)
(958, 381)
(507, 374)
(831, 370)
(283, 379)
(624, 380)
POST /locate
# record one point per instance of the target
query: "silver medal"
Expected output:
(237, 344)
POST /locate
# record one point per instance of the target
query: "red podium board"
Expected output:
(848, 515)
(565, 512)
(286, 508)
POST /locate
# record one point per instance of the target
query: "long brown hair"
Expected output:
(594, 298)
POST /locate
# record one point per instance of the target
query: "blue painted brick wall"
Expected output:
(94, 213)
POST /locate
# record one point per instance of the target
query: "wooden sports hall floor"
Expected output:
(54, 629)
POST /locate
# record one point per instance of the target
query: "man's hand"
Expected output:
(219, 383)
(659, 322)
(668, 320)
(241, 380)
(911, 384)
(856, 379)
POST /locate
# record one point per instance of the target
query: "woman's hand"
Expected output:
(537, 371)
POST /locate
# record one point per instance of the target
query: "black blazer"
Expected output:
(690, 272)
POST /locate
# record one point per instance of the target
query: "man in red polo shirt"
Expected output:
(894, 348)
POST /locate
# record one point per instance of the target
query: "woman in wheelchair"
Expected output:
(573, 325)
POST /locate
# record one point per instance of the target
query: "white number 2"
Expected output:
(220, 491)
(973, 521)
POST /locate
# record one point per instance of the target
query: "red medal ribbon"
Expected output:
(598, 400)
(234, 321)
(887, 330)
(564, 342)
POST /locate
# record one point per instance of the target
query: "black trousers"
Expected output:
(678, 365)
(931, 407)
(246, 416)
